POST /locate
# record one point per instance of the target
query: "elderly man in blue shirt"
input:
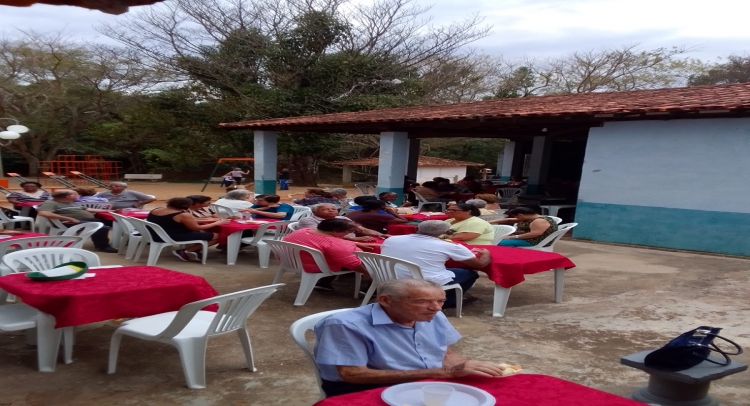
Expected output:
(402, 338)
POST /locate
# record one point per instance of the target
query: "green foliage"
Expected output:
(735, 70)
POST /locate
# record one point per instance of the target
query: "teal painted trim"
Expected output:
(694, 230)
(265, 187)
(399, 191)
(533, 189)
(505, 178)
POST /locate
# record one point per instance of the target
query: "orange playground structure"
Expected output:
(93, 166)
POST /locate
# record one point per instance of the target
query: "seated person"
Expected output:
(328, 238)
(87, 195)
(268, 207)
(390, 197)
(491, 200)
(340, 195)
(426, 249)
(361, 199)
(488, 187)
(470, 183)
(326, 211)
(376, 345)
(429, 191)
(237, 199)
(199, 209)
(62, 208)
(180, 225)
(531, 228)
(480, 204)
(444, 185)
(370, 216)
(31, 193)
(316, 196)
(467, 227)
(121, 198)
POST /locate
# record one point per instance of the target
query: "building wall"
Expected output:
(674, 184)
(454, 173)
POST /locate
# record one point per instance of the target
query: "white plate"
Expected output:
(411, 394)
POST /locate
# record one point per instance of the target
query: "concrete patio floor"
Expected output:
(619, 300)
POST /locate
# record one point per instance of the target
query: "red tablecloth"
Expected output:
(516, 390)
(126, 292)
(401, 229)
(423, 217)
(139, 214)
(24, 235)
(27, 204)
(226, 229)
(509, 265)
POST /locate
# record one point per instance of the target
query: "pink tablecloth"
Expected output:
(24, 235)
(516, 390)
(139, 214)
(423, 217)
(28, 204)
(229, 228)
(126, 292)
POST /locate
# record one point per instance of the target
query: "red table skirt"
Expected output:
(226, 229)
(516, 390)
(401, 229)
(126, 292)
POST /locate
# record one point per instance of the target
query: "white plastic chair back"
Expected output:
(234, 309)
(95, 205)
(501, 231)
(558, 220)
(507, 193)
(275, 230)
(83, 230)
(490, 217)
(301, 212)
(548, 244)
(42, 259)
(223, 211)
(17, 218)
(424, 202)
(4, 217)
(292, 227)
(364, 188)
(143, 227)
(289, 256)
(19, 244)
(298, 329)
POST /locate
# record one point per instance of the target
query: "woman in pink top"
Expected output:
(328, 239)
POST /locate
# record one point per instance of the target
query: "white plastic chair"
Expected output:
(143, 227)
(55, 227)
(129, 236)
(223, 211)
(190, 328)
(301, 212)
(424, 202)
(17, 218)
(95, 205)
(364, 188)
(382, 268)
(34, 242)
(41, 259)
(269, 231)
(293, 227)
(291, 261)
(558, 220)
(501, 230)
(298, 329)
(490, 217)
(507, 193)
(83, 230)
(548, 244)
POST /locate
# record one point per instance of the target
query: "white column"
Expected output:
(394, 151)
(507, 164)
(265, 156)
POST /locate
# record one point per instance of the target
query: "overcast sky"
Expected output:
(535, 28)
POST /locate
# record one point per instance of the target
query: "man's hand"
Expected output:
(471, 367)
(71, 220)
(362, 239)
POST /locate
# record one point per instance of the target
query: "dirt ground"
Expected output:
(618, 300)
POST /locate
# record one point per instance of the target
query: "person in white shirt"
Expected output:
(427, 250)
(237, 199)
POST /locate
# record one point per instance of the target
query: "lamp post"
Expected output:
(11, 132)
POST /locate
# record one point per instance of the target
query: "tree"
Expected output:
(735, 70)
(58, 88)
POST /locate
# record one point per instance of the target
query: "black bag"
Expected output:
(690, 349)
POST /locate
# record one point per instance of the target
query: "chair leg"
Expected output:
(277, 278)
(139, 250)
(193, 357)
(264, 254)
(31, 225)
(114, 349)
(153, 253)
(357, 284)
(500, 301)
(205, 252)
(559, 279)
(247, 348)
(306, 286)
(369, 294)
(69, 334)
(459, 300)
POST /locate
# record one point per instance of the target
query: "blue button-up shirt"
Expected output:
(366, 336)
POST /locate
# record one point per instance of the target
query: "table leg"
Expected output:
(47, 341)
(667, 392)
(233, 246)
(500, 300)
(559, 278)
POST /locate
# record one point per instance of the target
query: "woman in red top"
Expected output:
(328, 239)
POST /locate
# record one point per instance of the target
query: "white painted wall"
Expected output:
(454, 173)
(699, 164)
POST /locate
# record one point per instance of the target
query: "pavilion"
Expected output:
(660, 167)
(428, 167)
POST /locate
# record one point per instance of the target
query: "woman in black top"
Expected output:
(180, 225)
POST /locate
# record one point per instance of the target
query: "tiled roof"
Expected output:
(688, 99)
(423, 161)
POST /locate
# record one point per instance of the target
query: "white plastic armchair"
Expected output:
(301, 212)
(42, 259)
(291, 261)
(490, 217)
(129, 236)
(424, 202)
(19, 244)
(269, 231)
(95, 205)
(83, 230)
(558, 220)
(294, 226)
(17, 218)
(382, 268)
(298, 329)
(144, 228)
(190, 328)
(548, 244)
(501, 230)
(224, 211)
(364, 188)
(507, 193)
